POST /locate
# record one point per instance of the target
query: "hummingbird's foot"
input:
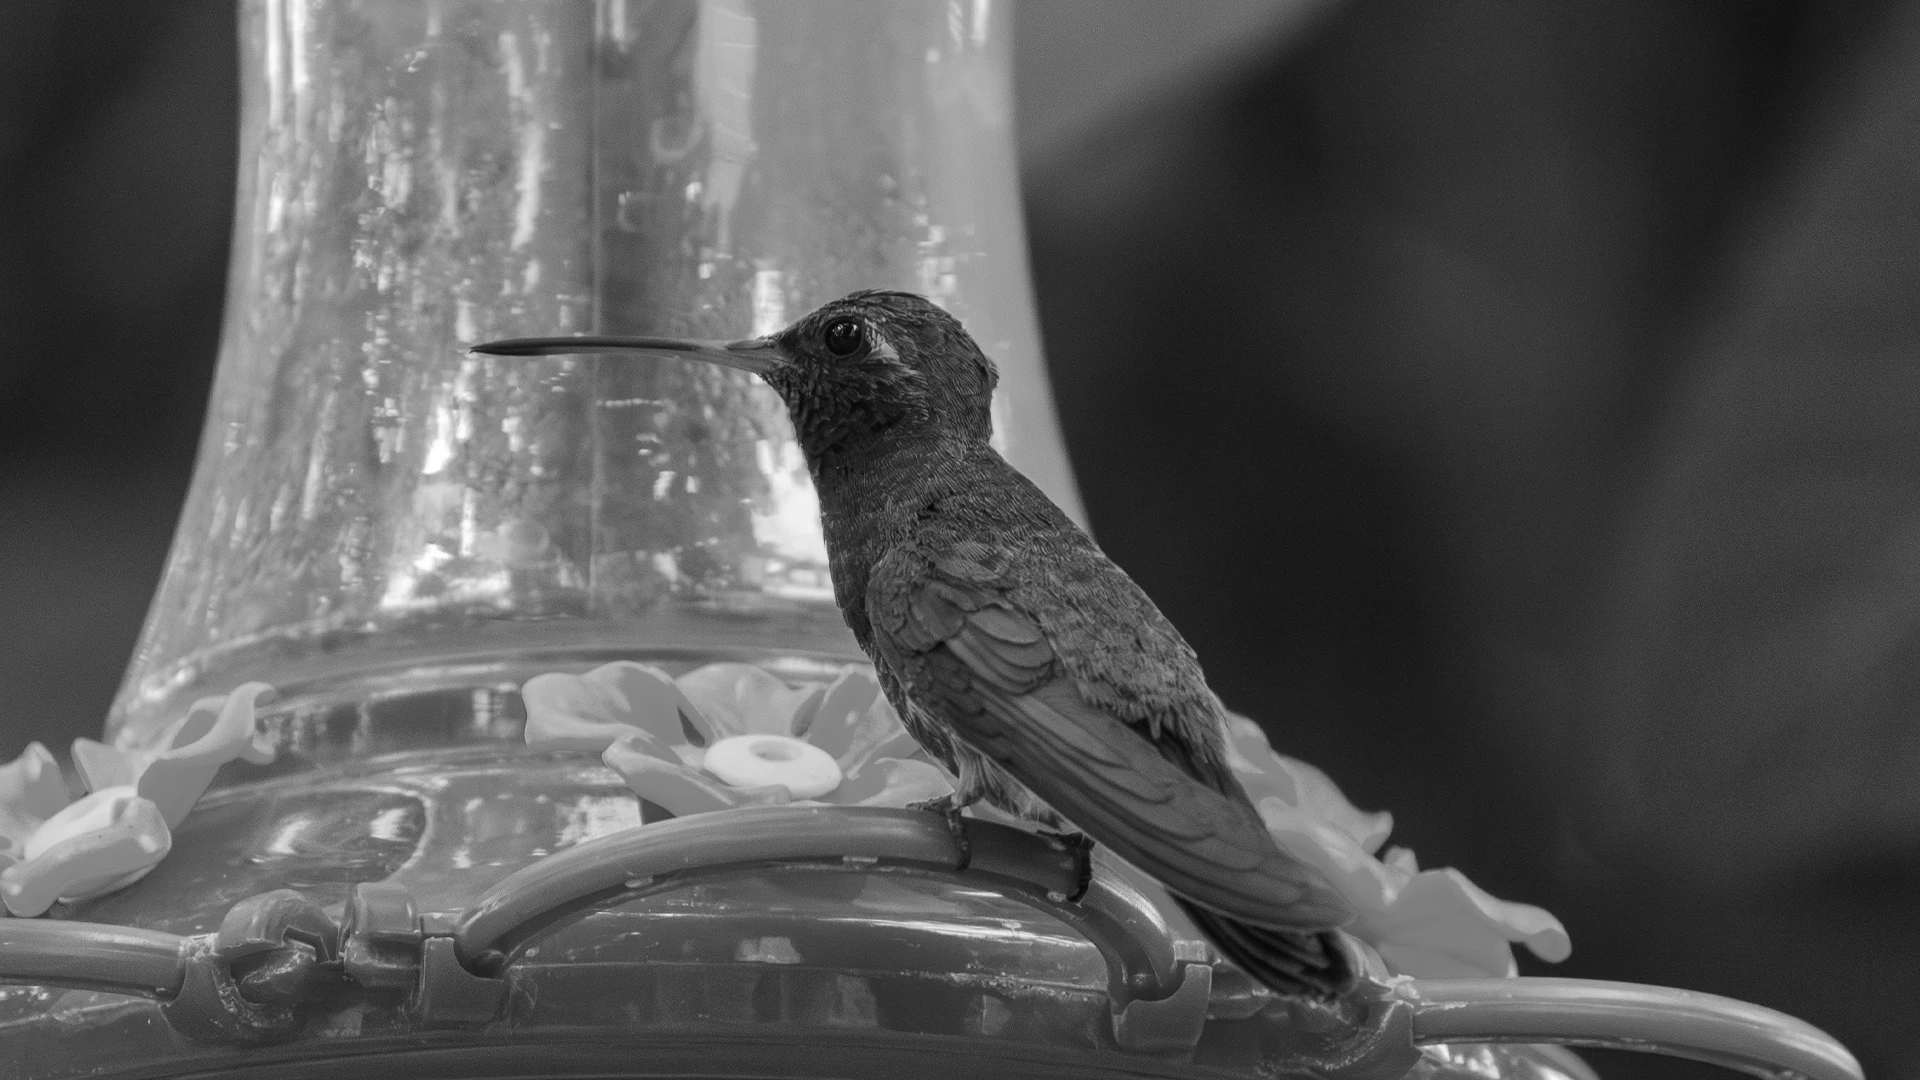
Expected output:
(1081, 845)
(949, 810)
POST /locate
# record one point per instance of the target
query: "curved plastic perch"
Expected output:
(1159, 1001)
(1625, 1016)
(1123, 924)
(121, 959)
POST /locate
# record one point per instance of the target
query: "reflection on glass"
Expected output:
(371, 499)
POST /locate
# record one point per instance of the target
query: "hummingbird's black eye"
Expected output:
(844, 337)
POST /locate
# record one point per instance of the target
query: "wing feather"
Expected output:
(986, 667)
(1197, 842)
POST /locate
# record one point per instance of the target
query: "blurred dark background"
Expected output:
(1516, 405)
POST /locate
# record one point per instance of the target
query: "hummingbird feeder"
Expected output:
(494, 718)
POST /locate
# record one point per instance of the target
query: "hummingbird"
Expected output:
(1015, 651)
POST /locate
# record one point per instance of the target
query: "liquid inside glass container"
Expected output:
(379, 515)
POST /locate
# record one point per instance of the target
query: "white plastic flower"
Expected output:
(53, 848)
(1431, 924)
(728, 735)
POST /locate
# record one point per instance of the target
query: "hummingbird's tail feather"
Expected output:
(1293, 962)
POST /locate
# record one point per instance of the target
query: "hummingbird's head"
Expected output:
(882, 362)
(871, 366)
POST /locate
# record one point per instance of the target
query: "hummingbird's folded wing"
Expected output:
(975, 660)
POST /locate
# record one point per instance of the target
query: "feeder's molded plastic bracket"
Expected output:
(243, 984)
(271, 920)
(278, 940)
(210, 1009)
(1380, 1046)
(450, 994)
(391, 946)
(1171, 1025)
(1383, 1049)
(382, 947)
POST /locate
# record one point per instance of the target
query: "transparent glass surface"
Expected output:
(375, 509)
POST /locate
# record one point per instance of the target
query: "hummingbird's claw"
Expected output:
(949, 810)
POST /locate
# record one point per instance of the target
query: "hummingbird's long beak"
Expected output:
(758, 355)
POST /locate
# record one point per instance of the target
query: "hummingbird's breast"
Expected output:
(934, 494)
(867, 506)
